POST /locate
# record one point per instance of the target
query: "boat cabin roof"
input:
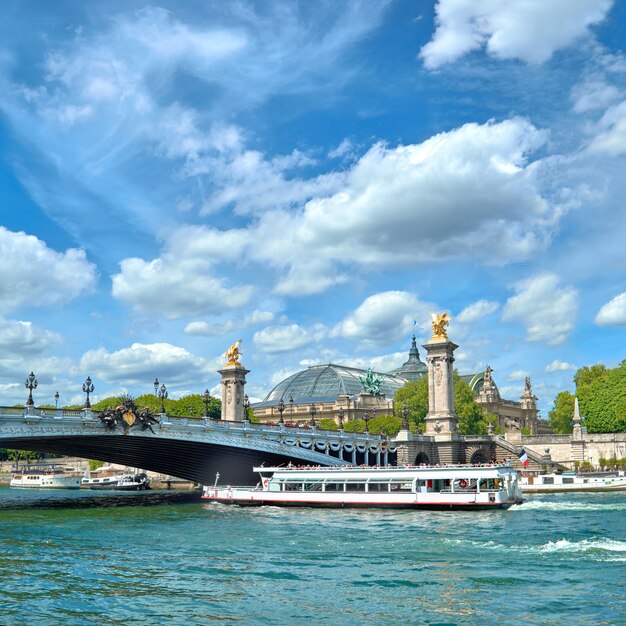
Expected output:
(386, 473)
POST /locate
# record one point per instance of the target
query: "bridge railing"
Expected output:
(167, 422)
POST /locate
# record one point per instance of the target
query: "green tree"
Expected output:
(472, 417)
(327, 424)
(415, 394)
(560, 416)
(388, 424)
(589, 375)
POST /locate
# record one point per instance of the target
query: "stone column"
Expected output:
(441, 419)
(233, 391)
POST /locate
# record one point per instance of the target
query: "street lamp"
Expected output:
(281, 409)
(366, 419)
(156, 386)
(163, 395)
(340, 414)
(312, 411)
(206, 398)
(405, 416)
(56, 400)
(31, 383)
(291, 408)
(246, 406)
(88, 388)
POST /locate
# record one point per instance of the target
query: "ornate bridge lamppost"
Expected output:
(312, 411)
(291, 409)
(281, 409)
(206, 398)
(88, 388)
(405, 416)
(56, 400)
(31, 383)
(340, 414)
(163, 395)
(156, 386)
(246, 406)
(366, 419)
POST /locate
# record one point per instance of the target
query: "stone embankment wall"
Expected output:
(591, 447)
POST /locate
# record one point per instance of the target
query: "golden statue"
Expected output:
(233, 353)
(439, 326)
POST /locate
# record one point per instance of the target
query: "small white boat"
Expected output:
(571, 481)
(462, 487)
(101, 477)
(119, 482)
(46, 477)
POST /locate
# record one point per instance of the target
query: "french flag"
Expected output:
(523, 457)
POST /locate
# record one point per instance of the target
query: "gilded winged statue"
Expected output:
(233, 353)
(439, 323)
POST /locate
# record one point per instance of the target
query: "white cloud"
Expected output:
(469, 193)
(531, 30)
(518, 375)
(33, 274)
(276, 339)
(383, 318)
(175, 287)
(593, 94)
(140, 363)
(559, 366)
(613, 313)
(24, 338)
(610, 132)
(476, 310)
(547, 310)
(210, 330)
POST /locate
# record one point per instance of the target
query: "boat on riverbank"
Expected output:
(571, 481)
(45, 477)
(461, 487)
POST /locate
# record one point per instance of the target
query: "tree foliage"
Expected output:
(560, 416)
(473, 420)
(601, 394)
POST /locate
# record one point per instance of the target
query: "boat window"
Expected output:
(316, 486)
(378, 486)
(401, 486)
(548, 480)
(568, 480)
(293, 486)
(355, 486)
(334, 486)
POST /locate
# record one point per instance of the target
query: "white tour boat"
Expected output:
(570, 481)
(424, 487)
(46, 477)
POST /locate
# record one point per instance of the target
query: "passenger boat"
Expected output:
(462, 487)
(46, 477)
(571, 481)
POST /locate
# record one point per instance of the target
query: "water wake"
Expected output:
(543, 505)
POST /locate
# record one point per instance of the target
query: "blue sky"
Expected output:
(310, 178)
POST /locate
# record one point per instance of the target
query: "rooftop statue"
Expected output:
(233, 353)
(439, 323)
(371, 382)
(527, 387)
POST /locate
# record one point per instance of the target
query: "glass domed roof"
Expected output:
(324, 383)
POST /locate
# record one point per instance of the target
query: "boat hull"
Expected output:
(435, 506)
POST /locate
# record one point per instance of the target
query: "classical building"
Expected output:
(511, 415)
(330, 390)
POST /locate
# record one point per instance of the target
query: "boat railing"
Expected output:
(384, 467)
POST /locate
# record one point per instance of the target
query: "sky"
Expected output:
(314, 179)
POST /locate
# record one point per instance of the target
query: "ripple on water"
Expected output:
(191, 563)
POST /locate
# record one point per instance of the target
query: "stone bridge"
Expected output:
(193, 449)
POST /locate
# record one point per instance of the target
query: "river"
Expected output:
(76, 558)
